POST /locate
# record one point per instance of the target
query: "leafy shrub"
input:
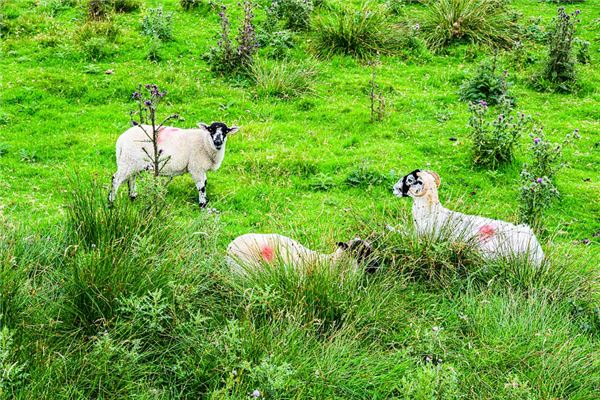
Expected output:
(276, 44)
(534, 31)
(283, 79)
(396, 6)
(191, 4)
(486, 84)
(493, 143)
(99, 9)
(486, 22)
(125, 6)
(538, 188)
(560, 66)
(582, 51)
(295, 14)
(360, 33)
(363, 176)
(227, 59)
(159, 24)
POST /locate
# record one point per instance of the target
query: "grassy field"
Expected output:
(133, 303)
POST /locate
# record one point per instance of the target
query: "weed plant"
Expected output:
(486, 84)
(494, 142)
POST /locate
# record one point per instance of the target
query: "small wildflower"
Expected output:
(539, 180)
(536, 140)
(148, 103)
(576, 134)
(136, 95)
(483, 103)
(417, 26)
(577, 12)
(256, 393)
(435, 329)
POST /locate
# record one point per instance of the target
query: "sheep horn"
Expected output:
(438, 181)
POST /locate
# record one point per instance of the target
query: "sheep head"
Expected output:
(417, 184)
(218, 132)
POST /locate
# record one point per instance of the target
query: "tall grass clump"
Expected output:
(115, 251)
(361, 33)
(486, 22)
(282, 79)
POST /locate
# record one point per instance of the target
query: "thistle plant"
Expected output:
(493, 142)
(538, 187)
(147, 106)
(560, 66)
(375, 94)
(226, 58)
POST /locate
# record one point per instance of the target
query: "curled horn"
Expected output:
(438, 181)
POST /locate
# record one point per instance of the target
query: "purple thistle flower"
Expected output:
(148, 103)
(536, 140)
(539, 180)
(483, 103)
(256, 393)
(136, 95)
(577, 12)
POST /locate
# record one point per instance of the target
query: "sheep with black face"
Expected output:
(493, 238)
(184, 150)
(253, 251)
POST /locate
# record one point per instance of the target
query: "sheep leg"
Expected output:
(132, 187)
(117, 179)
(200, 179)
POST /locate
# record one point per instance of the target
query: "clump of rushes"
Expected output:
(378, 102)
(538, 187)
(560, 66)
(486, 22)
(493, 143)
(227, 59)
(361, 33)
(147, 106)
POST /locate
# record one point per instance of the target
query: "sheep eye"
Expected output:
(410, 180)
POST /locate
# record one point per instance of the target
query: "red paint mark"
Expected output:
(165, 133)
(267, 253)
(486, 232)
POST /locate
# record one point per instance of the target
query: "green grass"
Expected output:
(100, 303)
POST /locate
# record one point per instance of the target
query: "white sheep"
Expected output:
(253, 251)
(181, 150)
(492, 237)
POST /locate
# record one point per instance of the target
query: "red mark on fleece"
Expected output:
(267, 253)
(165, 133)
(486, 232)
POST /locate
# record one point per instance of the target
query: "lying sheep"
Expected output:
(183, 150)
(492, 237)
(253, 251)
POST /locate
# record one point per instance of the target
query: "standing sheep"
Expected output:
(183, 150)
(254, 251)
(492, 237)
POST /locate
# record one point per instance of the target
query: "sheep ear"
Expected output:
(233, 130)
(342, 245)
(438, 181)
(202, 125)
